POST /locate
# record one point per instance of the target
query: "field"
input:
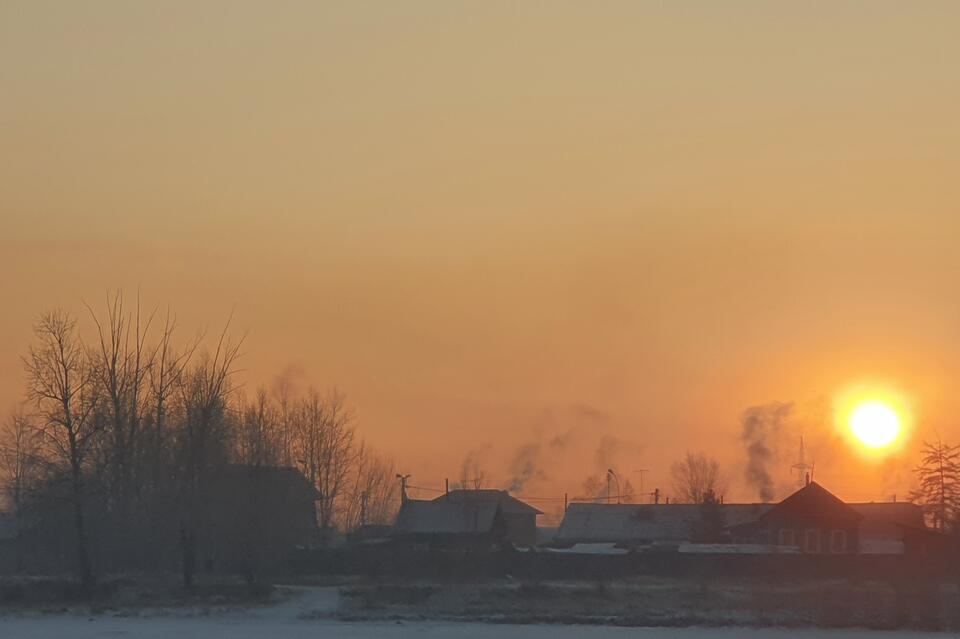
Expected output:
(644, 609)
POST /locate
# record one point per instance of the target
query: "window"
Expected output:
(812, 541)
(838, 541)
(786, 537)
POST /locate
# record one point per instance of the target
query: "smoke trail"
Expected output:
(525, 466)
(761, 426)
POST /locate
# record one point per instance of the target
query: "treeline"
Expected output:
(123, 437)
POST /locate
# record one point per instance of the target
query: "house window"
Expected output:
(812, 541)
(786, 537)
(838, 541)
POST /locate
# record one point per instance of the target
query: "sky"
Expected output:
(596, 231)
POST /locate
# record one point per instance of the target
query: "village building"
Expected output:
(468, 518)
(811, 520)
(645, 524)
(519, 518)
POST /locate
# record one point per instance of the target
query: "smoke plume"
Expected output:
(762, 426)
(525, 466)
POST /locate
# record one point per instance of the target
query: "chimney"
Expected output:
(446, 482)
(807, 480)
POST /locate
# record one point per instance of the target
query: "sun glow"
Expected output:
(876, 418)
(875, 424)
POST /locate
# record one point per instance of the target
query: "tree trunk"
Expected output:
(84, 567)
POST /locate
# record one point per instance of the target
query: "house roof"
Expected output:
(597, 523)
(508, 504)
(285, 479)
(901, 512)
(436, 517)
(813, 502)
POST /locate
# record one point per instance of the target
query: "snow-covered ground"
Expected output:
(240, 627)
(301, 616)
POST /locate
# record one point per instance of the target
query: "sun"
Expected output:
(875, 424)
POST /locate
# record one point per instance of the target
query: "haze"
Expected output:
(492, 223)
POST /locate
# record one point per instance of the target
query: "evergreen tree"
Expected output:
(939, 491)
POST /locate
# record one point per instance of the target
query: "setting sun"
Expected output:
(875, 424)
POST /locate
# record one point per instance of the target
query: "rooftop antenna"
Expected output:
(802, 468)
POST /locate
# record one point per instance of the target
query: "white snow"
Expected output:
(250, 627)
(590, 549)
(301, 617)
(739, 549)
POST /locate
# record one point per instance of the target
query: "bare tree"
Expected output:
(695, 477)
(60, 384)
(18, 450)
(939, 491)
(120, 364)
(164, 377)
(259, 440)
(372, 498)
(202, 443)
(18, 470)
(325, 443)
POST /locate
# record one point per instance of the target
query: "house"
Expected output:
(468, 518)
(519, 518)
(645, 524)
(817, 522)
(472, 524)
(813, 519)
(257, 514)
(884, 526)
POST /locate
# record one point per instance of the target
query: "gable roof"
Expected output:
(636, 523)
(813, 502)
(284, 481)
(508, 504)
(434, 517)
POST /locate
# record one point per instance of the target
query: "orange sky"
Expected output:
(490, 223)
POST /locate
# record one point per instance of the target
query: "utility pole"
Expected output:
(403, 486)
(610, 474)
(641, 471)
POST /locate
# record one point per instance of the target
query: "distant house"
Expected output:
(257, 514)
(644, 524)
(519, 518)
(444, 525)
(467, 518)
(811, 520)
